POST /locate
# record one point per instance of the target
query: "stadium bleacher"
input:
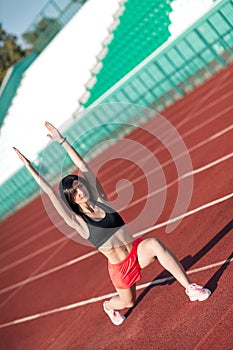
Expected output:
(135, 70)
(142, 28)
(48, 23)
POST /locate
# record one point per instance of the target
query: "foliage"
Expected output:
(44, 26)
(10, 52)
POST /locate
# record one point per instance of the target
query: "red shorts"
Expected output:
(128, 271)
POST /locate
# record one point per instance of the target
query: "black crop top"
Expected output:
(101, 230)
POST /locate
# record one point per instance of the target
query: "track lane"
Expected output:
(164, 309)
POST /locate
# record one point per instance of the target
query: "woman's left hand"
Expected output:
(54, 135)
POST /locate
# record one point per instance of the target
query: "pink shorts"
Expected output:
(128, 271)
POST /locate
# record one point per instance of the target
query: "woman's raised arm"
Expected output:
(62, 209)
(55, 135)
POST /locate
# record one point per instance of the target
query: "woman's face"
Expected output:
(81, 194)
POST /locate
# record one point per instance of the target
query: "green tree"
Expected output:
(42, 33)
(10, 52)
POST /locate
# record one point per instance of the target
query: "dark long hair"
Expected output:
(67, 191)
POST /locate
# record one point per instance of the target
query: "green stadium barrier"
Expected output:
(13, 82)
(53, 17)
(165, 76)
(143, 28)
(182, 64)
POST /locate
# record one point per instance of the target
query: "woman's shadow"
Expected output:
(189, 261)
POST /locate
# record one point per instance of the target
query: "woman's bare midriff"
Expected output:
(118, 247)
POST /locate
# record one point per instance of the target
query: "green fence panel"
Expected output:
(165, 76)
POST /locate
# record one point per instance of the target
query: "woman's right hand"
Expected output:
(54, 134)
(21, 156)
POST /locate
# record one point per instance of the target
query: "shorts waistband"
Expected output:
(134, 248)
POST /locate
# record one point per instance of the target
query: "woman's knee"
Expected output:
(156, 245)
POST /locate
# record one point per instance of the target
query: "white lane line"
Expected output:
(103, 297)
(172, 160)
(193, 114)
(34, 272)
(32, 255)
(220, 133)
(188, 213)
(191, 173)
(203, 168)
(138, 234)
(206, 122)
(214, 136)
(185, 135)
(207, 166)
(199, 269)
(48, 272)
(27, 241)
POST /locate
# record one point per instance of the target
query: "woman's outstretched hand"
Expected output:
(21, 156)
(54, 134)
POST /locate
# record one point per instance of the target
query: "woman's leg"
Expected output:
(148, 250)
(125, 299)
(152, 248)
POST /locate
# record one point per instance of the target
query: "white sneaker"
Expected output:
(196, 292)
(114, 315)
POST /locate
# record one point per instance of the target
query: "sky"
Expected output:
(52, 85)
(55, 81)
(17, 15)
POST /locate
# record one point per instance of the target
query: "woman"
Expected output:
(83, 205)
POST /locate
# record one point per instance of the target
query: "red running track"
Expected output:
(52, 289)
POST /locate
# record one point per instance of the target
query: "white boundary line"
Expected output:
(85, 256)
(163, 165)
(195, 171)
(191, 212)
(190, 149)
(48, 272)
(191, 173)
(103, 297)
